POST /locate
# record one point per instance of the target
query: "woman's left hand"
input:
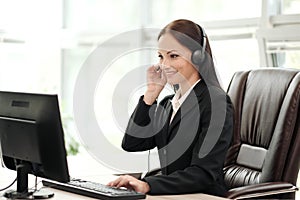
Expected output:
(131, 183)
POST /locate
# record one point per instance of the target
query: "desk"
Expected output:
(62, 195)
(7, 177)
(70, 196)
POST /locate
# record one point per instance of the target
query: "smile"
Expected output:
(170, 73)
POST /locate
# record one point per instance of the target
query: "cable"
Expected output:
(9, 185)
(35, 185)
(34, 188)
(26, 195)
(144, 174)
(148, 161)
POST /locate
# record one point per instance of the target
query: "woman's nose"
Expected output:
(164, 66)
(165, 63)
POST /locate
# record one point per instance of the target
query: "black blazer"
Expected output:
(185, 168)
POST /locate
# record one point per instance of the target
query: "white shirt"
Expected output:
(177, 101)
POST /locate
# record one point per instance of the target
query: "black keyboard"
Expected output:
(94, 190)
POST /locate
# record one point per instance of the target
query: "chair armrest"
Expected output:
(261, 189)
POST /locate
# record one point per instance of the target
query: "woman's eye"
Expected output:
(160, 56)
(174, 55)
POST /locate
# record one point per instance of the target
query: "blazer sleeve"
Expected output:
(139, 134)
(204, 174)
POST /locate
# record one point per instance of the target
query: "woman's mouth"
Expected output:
(170, 73)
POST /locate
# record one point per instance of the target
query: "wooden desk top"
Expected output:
(58, 194)
(7, 176)
(63, 195)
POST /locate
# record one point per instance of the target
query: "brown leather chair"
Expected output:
(264, 156)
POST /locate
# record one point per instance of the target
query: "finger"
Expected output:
(110, 184)
(152, 68)
(115, 182)
(157, 68)
(123, 182)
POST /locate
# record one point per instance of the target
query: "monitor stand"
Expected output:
(23, 168)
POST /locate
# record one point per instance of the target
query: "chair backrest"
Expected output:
(266, 141)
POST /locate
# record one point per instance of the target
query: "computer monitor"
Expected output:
(32, 138)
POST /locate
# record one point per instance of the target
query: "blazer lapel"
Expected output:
(163, 139)
(167, 116)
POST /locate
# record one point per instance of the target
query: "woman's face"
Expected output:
(175, 61)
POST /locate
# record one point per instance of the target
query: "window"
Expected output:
(30, 16)
(234, 55)
(29, 45)
(101, 16)
(165, 11)
(281, 35)
(288, 59)
(290, 6)
(30, 67)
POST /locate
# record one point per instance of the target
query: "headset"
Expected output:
(198, 55)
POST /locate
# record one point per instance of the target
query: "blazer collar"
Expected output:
(190, 102)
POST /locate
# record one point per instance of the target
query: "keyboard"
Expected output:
(94, 190)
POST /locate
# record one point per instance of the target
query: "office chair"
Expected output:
(264, 157)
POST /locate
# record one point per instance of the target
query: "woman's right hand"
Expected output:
(156, 81)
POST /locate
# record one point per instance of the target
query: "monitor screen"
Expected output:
(31, 137)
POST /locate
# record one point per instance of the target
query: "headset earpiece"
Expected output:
(199, 55)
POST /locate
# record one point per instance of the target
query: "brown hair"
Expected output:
(187, 33)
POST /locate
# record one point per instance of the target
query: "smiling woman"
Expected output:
(180, 124)
(175, 62)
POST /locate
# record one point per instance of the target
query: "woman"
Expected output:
(191, 129)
